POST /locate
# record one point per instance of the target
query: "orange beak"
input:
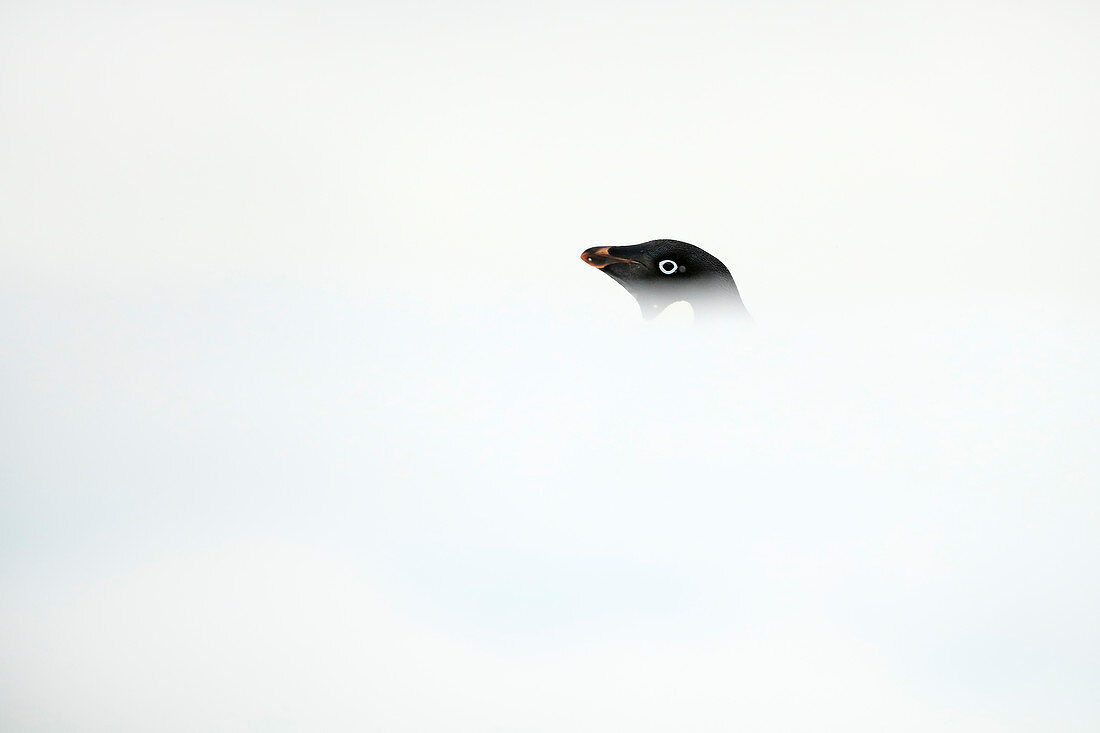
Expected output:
(599, 257)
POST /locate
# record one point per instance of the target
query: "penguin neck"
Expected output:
(717, 300)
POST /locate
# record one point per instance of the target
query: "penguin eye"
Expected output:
(667, 267)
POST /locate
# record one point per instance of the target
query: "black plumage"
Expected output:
(665, 271)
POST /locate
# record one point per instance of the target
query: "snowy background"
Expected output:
(313, 419)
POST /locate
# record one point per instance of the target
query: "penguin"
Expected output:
(665, 271)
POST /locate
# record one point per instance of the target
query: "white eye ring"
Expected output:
(667, 266)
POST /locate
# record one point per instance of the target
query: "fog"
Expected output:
(313, 418)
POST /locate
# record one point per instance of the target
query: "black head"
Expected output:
(665, 271)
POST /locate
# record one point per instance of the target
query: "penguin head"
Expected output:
(665, 271)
